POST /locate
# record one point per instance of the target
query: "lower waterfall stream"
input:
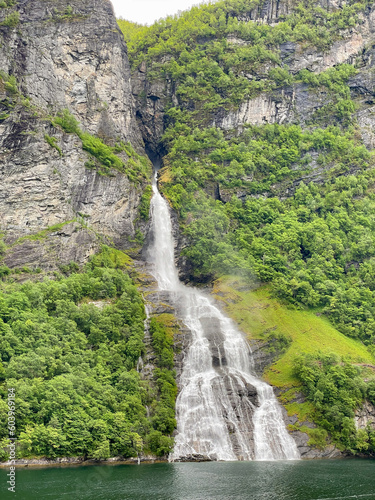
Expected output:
(223, 411)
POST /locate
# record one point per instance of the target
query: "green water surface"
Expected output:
(302, 480)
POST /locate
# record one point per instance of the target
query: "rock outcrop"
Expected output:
(151, 97)
(365, 416)
(297, 103)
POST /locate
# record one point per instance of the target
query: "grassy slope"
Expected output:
(257, 314)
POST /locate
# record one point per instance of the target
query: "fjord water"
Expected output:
(216, 417)
(283, 480)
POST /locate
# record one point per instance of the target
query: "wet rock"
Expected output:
(151, 98)
(195, 458)
(211, 328)
(262, 357)
(250, 393)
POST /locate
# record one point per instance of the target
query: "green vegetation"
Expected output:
(12, 20)
(263, 317)
(340, 107)
(112, 258)
(144, 208)
(7, 3)
(66, 15)
(4, 271)
(209, 51)
(3, 248)
(52, 141)
(162, 330)
(44, 233)
(69, 347)
(9, 85)
(336, 388)
(9, 82)
(129, 28)
(67, 122)
(315, 247)
(136, 167)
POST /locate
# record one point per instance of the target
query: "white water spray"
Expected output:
(224, 412)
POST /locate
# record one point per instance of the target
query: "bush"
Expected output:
(12, 20)
(101, 151)
(3, 248)
(52, 141)
(7, 3)
(67, 122)
(336, 389)
(159, 444)
(4, 271)
(144, 207)
(10, 83)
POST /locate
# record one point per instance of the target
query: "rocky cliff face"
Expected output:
(151, 99)
(74, 57)
(70, 57)
(296, 104)
(365, 416)
(289, 104)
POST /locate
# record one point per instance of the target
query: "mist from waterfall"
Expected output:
(219, 414)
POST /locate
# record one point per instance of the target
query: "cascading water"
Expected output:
(224, 412)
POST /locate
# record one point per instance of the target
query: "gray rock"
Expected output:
(365, 416)
(152, 97)
(79, 63)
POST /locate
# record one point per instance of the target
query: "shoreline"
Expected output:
(79, 461)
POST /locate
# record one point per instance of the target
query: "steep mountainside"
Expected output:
(262, 115)
(75, 181)
(72, 57)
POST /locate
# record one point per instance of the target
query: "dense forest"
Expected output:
(69, 348)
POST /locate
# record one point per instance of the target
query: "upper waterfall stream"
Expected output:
(224, 412)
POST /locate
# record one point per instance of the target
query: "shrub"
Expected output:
(52, 141)
(101, 151)
(12, 20)
(10, 83)
(144, 207)
(7, 3)
(67, 122)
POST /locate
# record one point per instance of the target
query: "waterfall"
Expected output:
(223, 411)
